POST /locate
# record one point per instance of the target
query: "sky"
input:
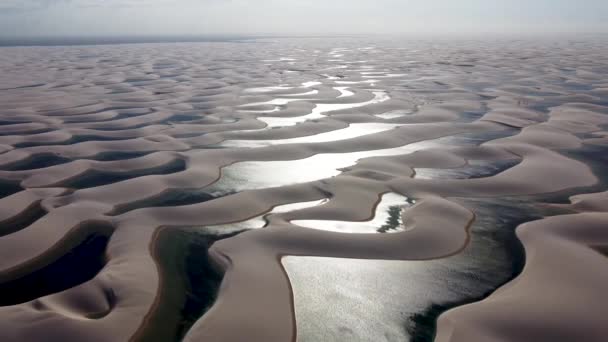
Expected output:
(36, 18)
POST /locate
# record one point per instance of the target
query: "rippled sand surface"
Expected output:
(305, 189)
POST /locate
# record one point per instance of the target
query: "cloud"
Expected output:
(23, 5)
(192, 17)
(31, 5)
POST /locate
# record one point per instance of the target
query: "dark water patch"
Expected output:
(486, 97)
(27, 131)
(490, 169)
(476, 139)
(540, 93)
(472, 171)
(8, 188)
(423, 325)
(545, 105)
(73, 140)
(88, 56)
(217, 146)
(180, 118)
(26, 86)
(36, 161)
(603, 102)
(137, 80)
(542, 106)
(168, 65)
(471, 116)
(596, 158)
(114, 156)
(173, 198)
(603, 250)
(42, 143)
(95, 111)
(592, 134)
(56, 110)
(119, 127)
(190, 282)
(118, 116)
(180, 198)
(575, 86)
(23, 220)
(73, 267)
(121, 91)
(188, 135)
(393, 222)
(94, 178)
(65, 85)
(84, 138)
(493, 257)
(8, 122)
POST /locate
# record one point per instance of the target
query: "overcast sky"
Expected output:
(288, 17)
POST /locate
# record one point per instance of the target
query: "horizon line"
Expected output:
(76, 40)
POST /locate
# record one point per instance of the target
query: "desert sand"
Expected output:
(106, 151)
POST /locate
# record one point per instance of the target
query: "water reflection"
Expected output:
(352, 131)
(261, 220)
(318, 111)
(395, 114)
(344, 92)
(267, 174)
(266, 89)
(387, 218)
(332, 295)
(474, 169)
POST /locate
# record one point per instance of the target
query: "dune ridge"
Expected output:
(103, 141)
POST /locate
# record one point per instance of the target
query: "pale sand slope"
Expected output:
(559, 296)
(90, 146)
(243, 286)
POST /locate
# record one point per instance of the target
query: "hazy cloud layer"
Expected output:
(196, 17)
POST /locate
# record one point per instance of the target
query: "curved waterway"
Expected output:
(326, 189)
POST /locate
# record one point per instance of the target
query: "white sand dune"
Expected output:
(106, 149)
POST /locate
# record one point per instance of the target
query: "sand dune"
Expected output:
(555, 297)
(267, 153)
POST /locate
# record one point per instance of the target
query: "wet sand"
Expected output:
(218, 191)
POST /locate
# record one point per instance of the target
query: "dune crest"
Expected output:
(127, 171)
